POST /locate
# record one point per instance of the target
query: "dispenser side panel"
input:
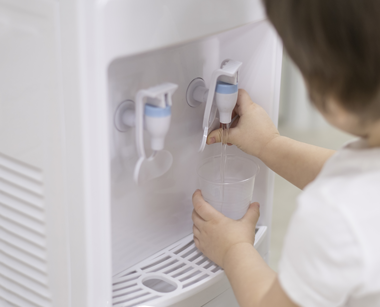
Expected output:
(34, 265)
(148, 218)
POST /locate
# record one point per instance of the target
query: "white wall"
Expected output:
(296, 110)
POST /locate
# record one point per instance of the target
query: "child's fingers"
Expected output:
(242, 102)
(196, 231)
(235, 122)
(253, 213)
(196, 242)
(197, 220)
(214, 137)
(234, 136)
(202, 208)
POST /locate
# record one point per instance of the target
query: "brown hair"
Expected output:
(336, 45)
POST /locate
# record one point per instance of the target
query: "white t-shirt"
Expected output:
(331, 255)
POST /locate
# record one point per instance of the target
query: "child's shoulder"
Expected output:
(350, 176)
(353, 173)
(346, 192)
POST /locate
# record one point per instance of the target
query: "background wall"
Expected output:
(298, 120)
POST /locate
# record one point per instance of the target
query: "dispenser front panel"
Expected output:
(147, 218)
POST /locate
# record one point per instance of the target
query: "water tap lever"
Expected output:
(223, 87)
(153, 106)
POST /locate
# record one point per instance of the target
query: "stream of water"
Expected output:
(223, 159)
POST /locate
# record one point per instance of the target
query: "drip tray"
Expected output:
(170, 273)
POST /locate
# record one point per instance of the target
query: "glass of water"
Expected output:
(233, 196)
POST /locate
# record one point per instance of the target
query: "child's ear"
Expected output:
(334, 106)
(338, 116)
(334, 110)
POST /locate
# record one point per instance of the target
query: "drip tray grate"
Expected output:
(171, 272)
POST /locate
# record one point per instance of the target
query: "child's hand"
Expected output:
(215, 234)
(252, 131)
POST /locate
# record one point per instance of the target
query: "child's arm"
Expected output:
(229, 244)
(255, 134)
(297, 162)
(254, 283)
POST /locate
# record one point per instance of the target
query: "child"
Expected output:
(331, 255)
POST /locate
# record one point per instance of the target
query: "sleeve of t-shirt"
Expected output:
(321, 260)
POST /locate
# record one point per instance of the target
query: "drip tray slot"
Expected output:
(169, 273)
(160, 285)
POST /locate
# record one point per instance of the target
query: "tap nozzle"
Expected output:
(225, 97)
(157, 121)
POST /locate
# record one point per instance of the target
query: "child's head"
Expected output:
(336, 45)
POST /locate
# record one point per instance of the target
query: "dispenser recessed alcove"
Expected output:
(151, 222)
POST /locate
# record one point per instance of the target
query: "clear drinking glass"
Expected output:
(232, 197)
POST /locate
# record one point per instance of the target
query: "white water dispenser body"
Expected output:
(77, 229)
